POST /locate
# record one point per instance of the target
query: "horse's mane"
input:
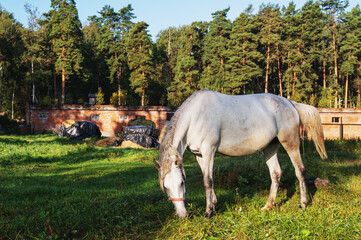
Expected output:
(169, 136)
(166, 148)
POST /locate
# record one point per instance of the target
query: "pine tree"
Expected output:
(216, 44)
(32, 42)
(65, 32)
(350, 50)
(312, 28)
(244, 59)
(113, 29)
(269, 22)
(186, 70)
(139, 46)
(12, 86)
(333, 9)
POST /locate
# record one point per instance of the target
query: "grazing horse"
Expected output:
(209, 122)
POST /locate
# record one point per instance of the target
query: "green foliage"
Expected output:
(302, 53)
(45, 101)
(325, 98)
(139, 46)
(64, 30)
(99, 100)
(244, 60)
(186, 72)
(13, 88)
(215, 49)
(114, 99)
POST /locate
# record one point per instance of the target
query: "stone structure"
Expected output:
(110, 119)
(341, 123)
(337, 123)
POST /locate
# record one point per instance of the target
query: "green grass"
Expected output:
(51, 188)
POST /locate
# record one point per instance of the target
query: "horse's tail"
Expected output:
(311, 123)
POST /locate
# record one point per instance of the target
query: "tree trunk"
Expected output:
(119, 75)
(143, 91)
(222, 80)
(358, 97)
(294, 83)
(12, 103)
(119, 92)
(288, 78)
(279, 71)
(63, 86)
(55, 93)
(324, 74)
(32, 80)
(168, 58)
(143, 97)
(335, 61)
(267, 67)
(346, 91)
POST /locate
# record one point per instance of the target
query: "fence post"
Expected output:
(341, 131)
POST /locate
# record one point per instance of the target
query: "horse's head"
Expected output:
(172, 178)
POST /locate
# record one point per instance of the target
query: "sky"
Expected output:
(158, 14)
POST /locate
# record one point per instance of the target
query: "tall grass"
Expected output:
(51, 188)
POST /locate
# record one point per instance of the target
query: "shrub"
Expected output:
(99, 97)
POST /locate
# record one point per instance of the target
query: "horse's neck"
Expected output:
(179, 141)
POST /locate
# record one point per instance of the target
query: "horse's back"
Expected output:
(238, 125)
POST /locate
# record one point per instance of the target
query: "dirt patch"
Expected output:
(125, 144)
(106, 141)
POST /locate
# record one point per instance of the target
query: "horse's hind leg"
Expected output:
(270, 154)
(300, 171)
(293, 151)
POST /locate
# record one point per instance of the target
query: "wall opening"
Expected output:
(336, 119)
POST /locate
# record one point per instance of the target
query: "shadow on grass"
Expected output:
(125, 202)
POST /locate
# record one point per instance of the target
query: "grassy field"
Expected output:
(51, 188)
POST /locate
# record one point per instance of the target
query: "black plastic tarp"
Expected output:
(80, 130)
(143, 130)
(141, 135)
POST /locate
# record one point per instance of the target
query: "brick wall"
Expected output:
(109, 119)
(337, 123)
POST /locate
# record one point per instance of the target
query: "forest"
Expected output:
(310, 54)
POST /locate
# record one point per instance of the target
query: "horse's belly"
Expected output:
(243, 147)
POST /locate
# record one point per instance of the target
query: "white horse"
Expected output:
(209, 122)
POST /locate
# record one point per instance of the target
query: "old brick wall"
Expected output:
(337, 123)
(109, 119)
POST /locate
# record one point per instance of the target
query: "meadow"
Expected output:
(53, 188)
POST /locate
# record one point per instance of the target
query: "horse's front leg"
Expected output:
(206, 165)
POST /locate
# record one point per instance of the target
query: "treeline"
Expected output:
(311, 54)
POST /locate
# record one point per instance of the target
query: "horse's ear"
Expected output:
(156, 164)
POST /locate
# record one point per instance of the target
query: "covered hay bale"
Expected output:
(78, 130)
(141, 122)
(144, 122)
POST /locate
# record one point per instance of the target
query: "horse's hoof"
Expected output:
(267, 207)
(208, 215)
(303, 206)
